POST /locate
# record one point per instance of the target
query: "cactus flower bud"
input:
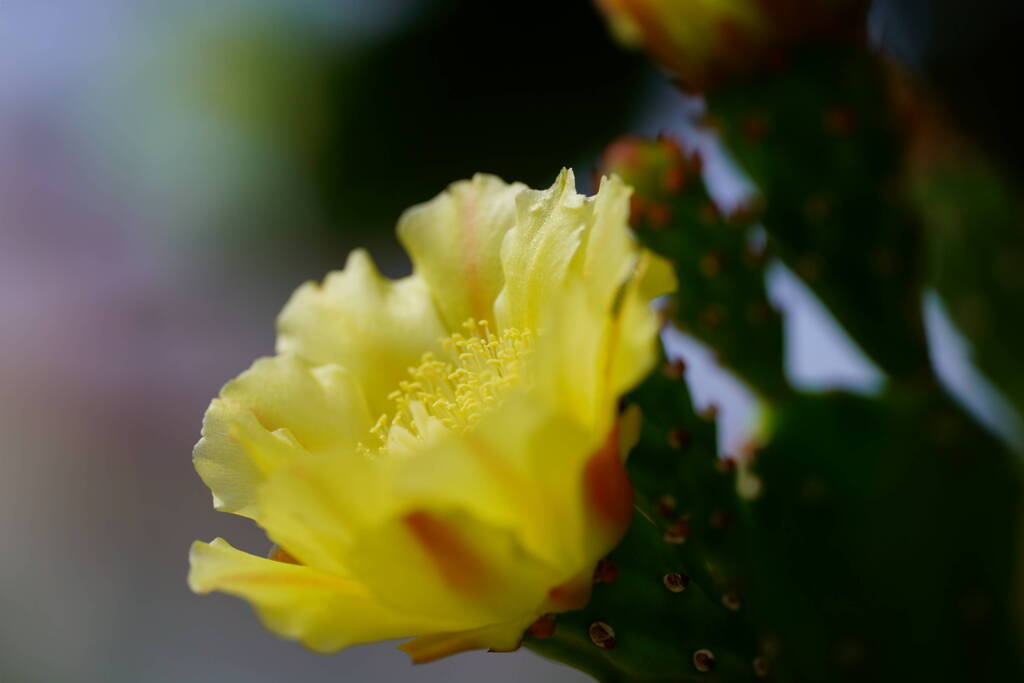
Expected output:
(703, 41)
(441, 456)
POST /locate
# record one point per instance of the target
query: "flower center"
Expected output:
(453, 394)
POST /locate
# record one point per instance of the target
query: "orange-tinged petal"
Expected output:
(458, 563)
(504, 474)
(608, 490)
(497, 638)
(487, 576)
(323, 611)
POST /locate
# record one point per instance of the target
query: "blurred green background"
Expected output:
(169, 173)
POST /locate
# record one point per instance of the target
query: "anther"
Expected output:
(454, 394)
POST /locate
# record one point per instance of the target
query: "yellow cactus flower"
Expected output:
(703, 41)
(441, 456)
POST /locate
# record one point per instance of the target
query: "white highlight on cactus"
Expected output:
(714, 386)
(819, 354)
(951, 357)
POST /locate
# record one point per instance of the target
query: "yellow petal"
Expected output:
(595, 351)
(657, 276)
(560, 489)
(497, 638)
(454, 241)
(447, 562)
(503, 473)
(412, 546)
(633, 349)
(359, 319)
(610, 250)
(314, 507)
(323, 611)
(231, 470)
(583, 250)
(277, 408)
(568, 367)
(538, 254)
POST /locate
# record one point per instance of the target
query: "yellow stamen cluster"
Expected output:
(455, 393)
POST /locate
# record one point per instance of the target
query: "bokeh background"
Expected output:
(171, 171)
